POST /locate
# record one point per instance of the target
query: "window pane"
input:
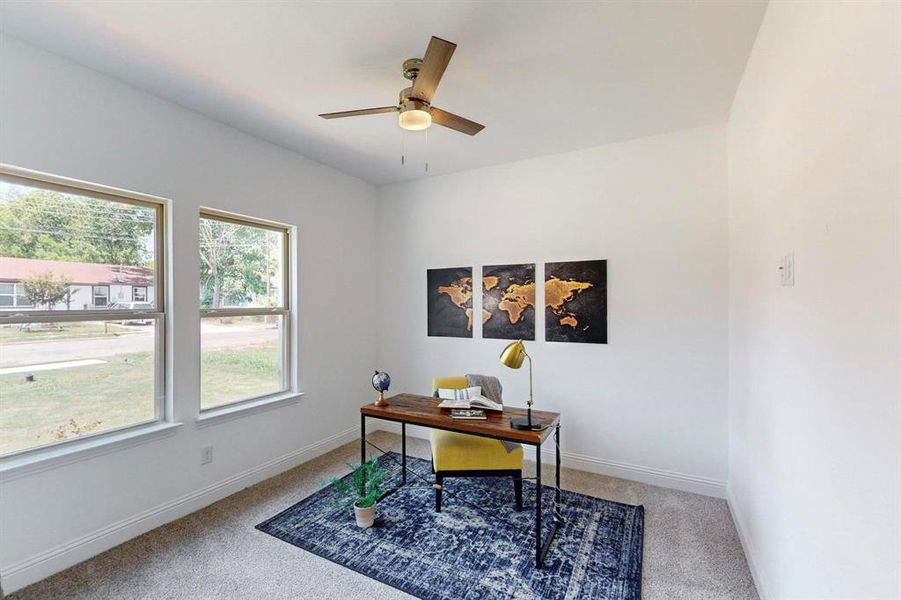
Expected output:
(240, 358)
(59, 381)
(23, 302)
(240, 265)
(61, 245)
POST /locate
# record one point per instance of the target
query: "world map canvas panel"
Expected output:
(449, 295)
(508, 302)
(575, 299)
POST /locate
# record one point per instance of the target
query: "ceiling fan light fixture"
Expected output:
(415, 119)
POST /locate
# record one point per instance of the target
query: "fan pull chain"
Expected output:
(426, 150)
(403, 147)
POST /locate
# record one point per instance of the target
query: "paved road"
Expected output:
(34, 353)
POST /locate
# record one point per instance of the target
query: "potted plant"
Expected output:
(362, 490)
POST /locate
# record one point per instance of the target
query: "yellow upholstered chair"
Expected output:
(462, 455)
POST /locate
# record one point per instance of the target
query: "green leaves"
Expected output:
(235, 263)
(50, 225)
(363, 488)
(45, 291)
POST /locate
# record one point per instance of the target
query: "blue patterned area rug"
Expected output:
(478, 546)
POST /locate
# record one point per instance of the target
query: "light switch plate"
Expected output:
(787, 269)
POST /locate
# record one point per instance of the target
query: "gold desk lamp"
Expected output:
(512, 356)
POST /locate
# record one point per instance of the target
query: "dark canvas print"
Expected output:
(508, 302)
(449, 297)
(575, 300)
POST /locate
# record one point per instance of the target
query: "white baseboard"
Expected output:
(652, 476)
(44, 564)
(695, 484)
(763, 588)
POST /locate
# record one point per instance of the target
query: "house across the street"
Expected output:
(92, 286)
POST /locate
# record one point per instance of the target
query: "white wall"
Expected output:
(64, 119)
(650, 404)
(814, 417)
(813, 370)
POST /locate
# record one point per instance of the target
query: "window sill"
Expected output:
(15, 467)
(234, 411)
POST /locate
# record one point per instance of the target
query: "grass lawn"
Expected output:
(66, 331)
(74, 401)
(232, 374)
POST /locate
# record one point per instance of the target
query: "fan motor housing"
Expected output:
(406, 96)
(407, 103)
(411, 68)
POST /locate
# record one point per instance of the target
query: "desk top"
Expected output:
(423, 410)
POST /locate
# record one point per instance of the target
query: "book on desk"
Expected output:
(468, 413)
(477, 402)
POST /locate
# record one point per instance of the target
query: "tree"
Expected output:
(44, 290)
(50, 225)
(235, 263)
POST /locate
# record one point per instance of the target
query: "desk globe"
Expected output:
(381, 381)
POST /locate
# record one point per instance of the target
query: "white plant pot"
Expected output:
(365, 516)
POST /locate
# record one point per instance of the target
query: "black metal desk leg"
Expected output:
(557, 442)
(537, 506)
(362, 438)
(403, 450)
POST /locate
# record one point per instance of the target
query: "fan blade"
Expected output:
(452, 121)
(437, 55)
(357, 113)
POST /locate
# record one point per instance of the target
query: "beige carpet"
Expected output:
(691, 549)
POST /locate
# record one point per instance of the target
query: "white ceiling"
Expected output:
(544, 77)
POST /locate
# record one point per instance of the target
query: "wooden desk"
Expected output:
(424, 411)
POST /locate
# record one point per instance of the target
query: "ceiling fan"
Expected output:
(415, 110)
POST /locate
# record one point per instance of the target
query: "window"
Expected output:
(139, 294)
(244, 316)
(101, 295)
(75, 364)
(13, 294)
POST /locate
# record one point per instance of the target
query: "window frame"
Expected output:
(134, 289)
(18, 291)
(286, 377)
(95, 295)
(159, 314)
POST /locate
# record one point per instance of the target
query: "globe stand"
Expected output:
(381, 401)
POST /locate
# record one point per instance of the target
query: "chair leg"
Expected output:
(517, 490)
(439, 484)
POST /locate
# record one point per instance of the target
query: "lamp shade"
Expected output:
(514, 354)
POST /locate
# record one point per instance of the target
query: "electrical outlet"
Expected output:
(787, 269)
(206, 455)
